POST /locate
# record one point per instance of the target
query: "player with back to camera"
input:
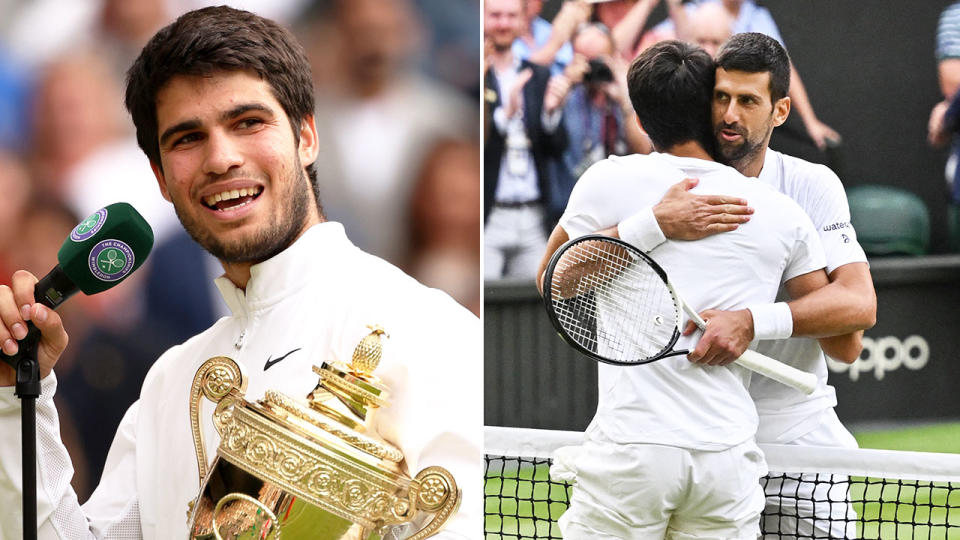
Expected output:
(223, 105)
(671, 448)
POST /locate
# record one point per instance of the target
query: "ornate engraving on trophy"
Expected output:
(308, 468)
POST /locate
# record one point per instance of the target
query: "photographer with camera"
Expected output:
(597, 112)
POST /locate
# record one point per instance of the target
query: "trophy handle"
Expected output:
(273, 532)
(216, 378)
(434, 490)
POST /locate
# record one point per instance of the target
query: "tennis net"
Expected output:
(827, 493)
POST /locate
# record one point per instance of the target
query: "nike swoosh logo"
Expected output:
(272, 362)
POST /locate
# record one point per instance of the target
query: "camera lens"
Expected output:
(599, 72)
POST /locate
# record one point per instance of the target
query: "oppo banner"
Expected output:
(910, 364)
(883, 355)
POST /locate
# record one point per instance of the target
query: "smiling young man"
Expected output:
(223, 105)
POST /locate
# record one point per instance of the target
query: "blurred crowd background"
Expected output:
(556, 99)
(555, 103)
(398, 85)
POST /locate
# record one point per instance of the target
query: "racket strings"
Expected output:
(611, 302)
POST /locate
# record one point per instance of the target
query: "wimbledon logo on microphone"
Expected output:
(110, 260)
(89, 226)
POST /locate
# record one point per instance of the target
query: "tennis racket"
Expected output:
(612, 302)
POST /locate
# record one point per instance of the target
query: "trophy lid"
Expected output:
(351, 393)
(307, 421)
(343, 401)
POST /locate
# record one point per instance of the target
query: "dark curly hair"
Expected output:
(218, 39)
(757, 53)
(671, 89)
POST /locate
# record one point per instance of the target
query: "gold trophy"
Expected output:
(289, 468)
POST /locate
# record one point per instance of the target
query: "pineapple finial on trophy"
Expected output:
(351, 393)
(366, 356)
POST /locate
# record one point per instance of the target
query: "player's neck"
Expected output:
(751, 164)
(689, 149)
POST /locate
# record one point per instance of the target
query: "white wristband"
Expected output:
(772, 321)
(641, 230)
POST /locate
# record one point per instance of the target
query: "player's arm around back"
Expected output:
(557, 238)
(838, 312)
(678, 215)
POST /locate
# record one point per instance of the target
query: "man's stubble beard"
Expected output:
(743, 154)
(504, 46)
(286, 226)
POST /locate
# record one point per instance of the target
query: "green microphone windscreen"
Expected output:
(105, 248)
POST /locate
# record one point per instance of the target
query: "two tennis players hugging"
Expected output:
(673, 448)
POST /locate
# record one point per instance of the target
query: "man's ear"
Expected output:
(161, 181)
(781, 110)
(309, 144)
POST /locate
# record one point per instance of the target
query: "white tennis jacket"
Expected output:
(312, 303)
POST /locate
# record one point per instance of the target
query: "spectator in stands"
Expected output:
(552, 44)
(597, 112)
(377, 118)
(747, 17)
(127, 26)
(446, 223)
(16, 187)
(537, 34)
(525, 133)
(627, 19)
(944, 124)
(14, 96)
(710, 25)
(84, 148)
(76, 110)
(453, 44)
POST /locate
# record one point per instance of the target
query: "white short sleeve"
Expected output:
(820, 194)
(831, 216)
(807, 254)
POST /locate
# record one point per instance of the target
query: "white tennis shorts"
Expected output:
(641, 491)
(812, 505)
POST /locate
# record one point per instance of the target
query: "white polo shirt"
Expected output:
(785, 413)
(673, 401)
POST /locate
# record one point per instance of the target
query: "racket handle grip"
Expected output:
(778, 371)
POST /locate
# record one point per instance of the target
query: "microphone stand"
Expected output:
(28, 390)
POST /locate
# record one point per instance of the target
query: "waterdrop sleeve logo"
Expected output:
(89, 226)
(110, 260)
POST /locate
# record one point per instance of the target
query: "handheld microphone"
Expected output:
(100, 252)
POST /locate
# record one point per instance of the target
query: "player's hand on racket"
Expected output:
(614, 303)
(726, 338)
(687, 216)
